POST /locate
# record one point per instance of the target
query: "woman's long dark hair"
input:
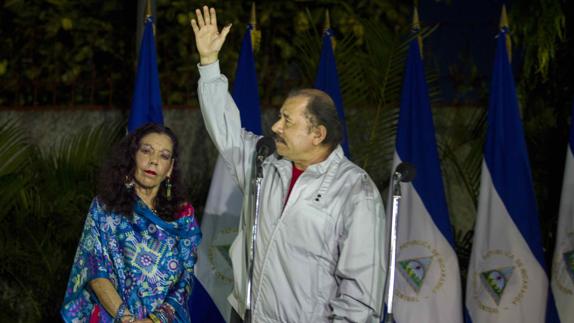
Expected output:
(120, 167)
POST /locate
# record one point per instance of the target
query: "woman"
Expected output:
(135, 258)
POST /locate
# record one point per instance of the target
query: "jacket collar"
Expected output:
(334, 158)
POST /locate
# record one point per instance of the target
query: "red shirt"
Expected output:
(294, 176)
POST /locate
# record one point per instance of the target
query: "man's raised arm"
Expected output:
(208, 39)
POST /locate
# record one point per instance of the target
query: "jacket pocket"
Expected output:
(311, 231)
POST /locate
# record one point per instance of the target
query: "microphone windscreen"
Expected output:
(408, 171)
(265, 146)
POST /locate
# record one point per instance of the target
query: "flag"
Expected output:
(327, 80)
(223, 207)
(427, 280)
(506, 279)
(563, 264)
(146, 101)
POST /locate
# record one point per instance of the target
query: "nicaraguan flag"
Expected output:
(563, 264)
(146, 101)
(327, 80)
(506, 279)
(427, 279)
(223, 207)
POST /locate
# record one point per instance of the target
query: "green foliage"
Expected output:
(545, 93)
(540, 37)
(59, 54)
(41, 223)
(69, 52)
(461, 152)
(15, 152)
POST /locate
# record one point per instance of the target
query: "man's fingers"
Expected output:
(200, 20)
(225, 31)
(213, 16)
(206, 15)
(194, 26)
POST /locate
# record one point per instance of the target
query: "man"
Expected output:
(319, 255)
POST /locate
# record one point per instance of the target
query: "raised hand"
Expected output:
(208, 39)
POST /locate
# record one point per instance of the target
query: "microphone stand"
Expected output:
(258, 181)
(397, 176)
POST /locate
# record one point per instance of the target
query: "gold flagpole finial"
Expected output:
(148, 14)
(504, 24)
(503, 18)
(416, 21)
(253, 17)
(255, 33)
(148, 8)
(417, 28)
(327, 25)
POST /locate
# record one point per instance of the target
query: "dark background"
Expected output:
(62, 56)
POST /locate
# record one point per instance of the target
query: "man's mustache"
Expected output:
(278, 138)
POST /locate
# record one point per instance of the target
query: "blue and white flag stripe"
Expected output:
(506, 278)
(416, 142)
(428, 287)
(563, 263)
(518, 297)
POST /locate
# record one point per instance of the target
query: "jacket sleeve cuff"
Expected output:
(209, 72)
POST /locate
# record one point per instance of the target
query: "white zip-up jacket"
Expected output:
(319, 257)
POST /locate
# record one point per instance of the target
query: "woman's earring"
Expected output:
(168, 189)
(129, 183)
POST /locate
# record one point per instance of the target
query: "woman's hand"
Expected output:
(208, 39)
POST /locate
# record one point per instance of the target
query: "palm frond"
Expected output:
(14, 158)
(461, 151)
(39, 237)
(70, 169)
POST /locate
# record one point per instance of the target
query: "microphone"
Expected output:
(405, 172)
(264, 147)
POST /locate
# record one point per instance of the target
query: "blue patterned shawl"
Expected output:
(149, 260)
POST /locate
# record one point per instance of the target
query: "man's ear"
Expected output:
(319, 135)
